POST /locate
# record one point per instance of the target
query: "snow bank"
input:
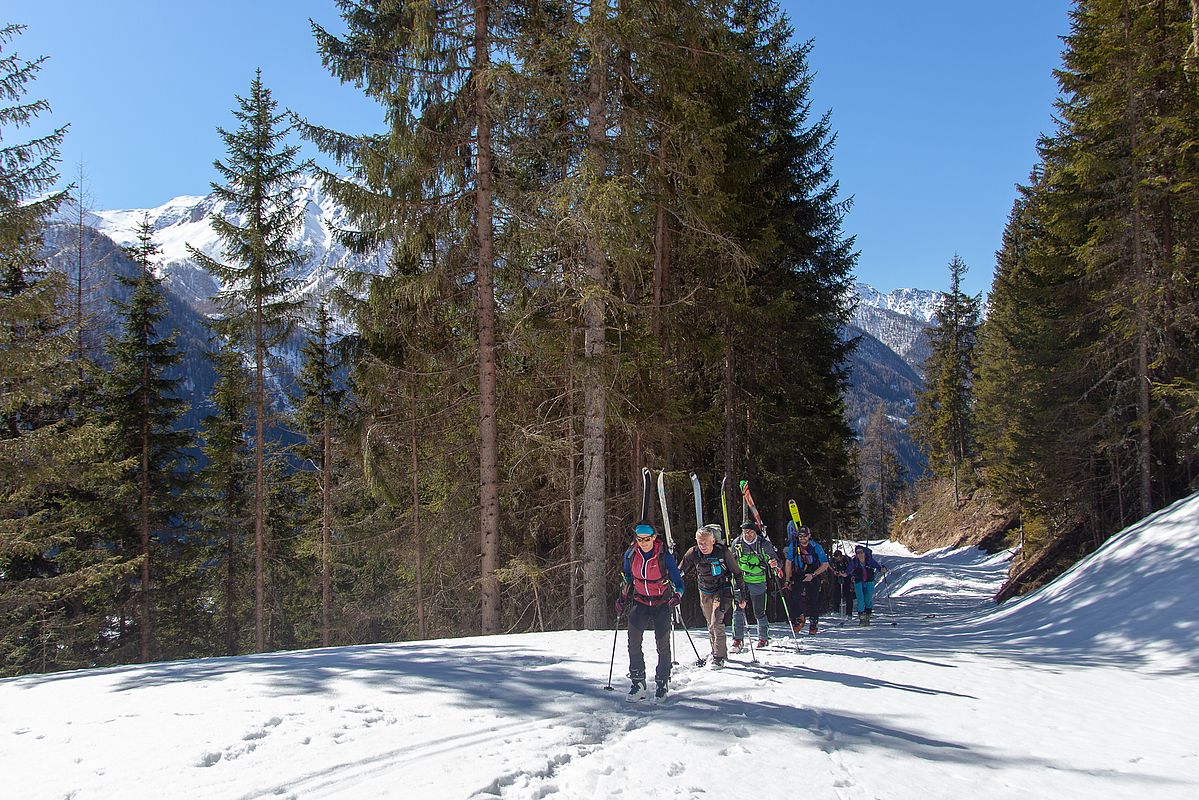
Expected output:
(1132, 601)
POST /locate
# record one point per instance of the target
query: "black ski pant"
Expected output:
(806, 598)
(641, 619)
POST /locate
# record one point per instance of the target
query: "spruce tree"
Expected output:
(320, 401)
(944, 419)
(143, 400)
(227, 498)
(435, 164)
(260, 173)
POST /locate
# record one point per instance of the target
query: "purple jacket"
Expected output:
(863, 573)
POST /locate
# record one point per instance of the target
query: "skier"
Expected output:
(843, 595)
(651, 589)
(720, 584)
(805, 558)
(862, 570)
(755, 554)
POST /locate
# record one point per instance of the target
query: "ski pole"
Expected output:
(612, 663)
(699, 660)
(890, 602)
(787, 611)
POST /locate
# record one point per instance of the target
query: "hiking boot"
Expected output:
(763, 642)
(660, 694)
(812, 628)
(717, 662)
(738, 646)
(637, 692)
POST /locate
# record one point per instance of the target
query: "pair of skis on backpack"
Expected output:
(647, 481)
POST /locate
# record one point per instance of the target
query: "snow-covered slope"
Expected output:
(954, 699)
(1131, 603)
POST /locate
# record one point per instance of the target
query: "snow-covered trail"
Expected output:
(935, 706)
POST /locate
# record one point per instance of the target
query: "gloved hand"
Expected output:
(674, 600)
(620, 606)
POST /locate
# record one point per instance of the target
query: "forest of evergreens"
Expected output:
(614, 239)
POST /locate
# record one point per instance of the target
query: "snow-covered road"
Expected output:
(1056, 696)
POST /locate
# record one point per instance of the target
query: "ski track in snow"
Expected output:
(955, 699)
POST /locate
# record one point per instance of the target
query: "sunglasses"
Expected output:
(645, 538)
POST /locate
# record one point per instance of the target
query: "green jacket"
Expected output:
(754, 559)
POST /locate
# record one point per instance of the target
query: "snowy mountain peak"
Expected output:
(916, 303)
(185, 220)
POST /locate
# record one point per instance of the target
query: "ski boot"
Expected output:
(738, 646)
(638, 690)
(717, 662)
(812, 628)
(660, 694)
(762, 643)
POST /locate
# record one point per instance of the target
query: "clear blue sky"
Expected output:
(937, 105)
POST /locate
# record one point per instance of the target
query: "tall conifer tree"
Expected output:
(319, 403)
(944, 421)
(143, 401)
(260, 173)
(227, 507)
(430, 179)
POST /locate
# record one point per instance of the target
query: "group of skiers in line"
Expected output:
(734, 576)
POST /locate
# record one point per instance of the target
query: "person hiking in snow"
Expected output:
(843, 595)
(651, 589)
(862, 571)
(807, 564)
(721, 584)
(755, 555)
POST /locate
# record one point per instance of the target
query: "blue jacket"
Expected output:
(814, 554)
(863, 572)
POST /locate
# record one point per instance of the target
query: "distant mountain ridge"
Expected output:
(899, 319)
(184, 221)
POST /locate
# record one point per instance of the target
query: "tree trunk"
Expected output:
(1140, 298)
(730, 443)
(572, 531)
(231, 631)
(594, 343)
(326, 528)
(661, 266)
(145, 503)
(259, 487)
(417, 534)
(489, 502)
